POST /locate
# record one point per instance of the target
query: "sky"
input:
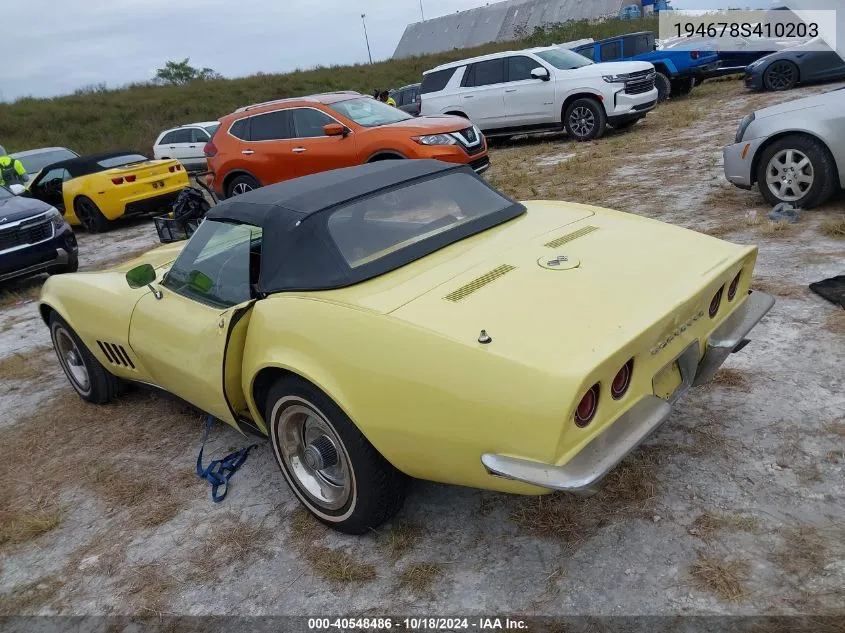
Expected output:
(52, 47)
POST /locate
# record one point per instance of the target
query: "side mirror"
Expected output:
(540, 73)
(141, 276)
(17, 188)
(335, 129)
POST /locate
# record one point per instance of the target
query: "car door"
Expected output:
(482, 94)
(196, 158)
(189, 333)
(313, 150)
(528, 101)
(178, 144)
(267, 155)
(822, 65)
(49, 187)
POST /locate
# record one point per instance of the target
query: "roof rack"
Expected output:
(290, 99)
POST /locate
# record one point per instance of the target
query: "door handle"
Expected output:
(510, 90)
(247, 152)
(299, 150)
(193, 146)
(468, 96)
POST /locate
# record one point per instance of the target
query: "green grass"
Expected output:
(131, 118)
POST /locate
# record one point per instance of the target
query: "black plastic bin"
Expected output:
(174, 229)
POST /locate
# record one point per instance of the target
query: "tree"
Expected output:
(179, 73)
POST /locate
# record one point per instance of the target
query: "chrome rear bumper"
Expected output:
(584, 471)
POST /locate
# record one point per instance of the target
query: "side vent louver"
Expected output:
(479, 282)
(116, 354)
(563, 239)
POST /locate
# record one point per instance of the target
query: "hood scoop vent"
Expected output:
(479, 282)
(563, 239)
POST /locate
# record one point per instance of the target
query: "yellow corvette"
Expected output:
(403, 318)
(96, 189)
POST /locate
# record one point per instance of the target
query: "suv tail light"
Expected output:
(210, 150)
(131, 178)
(118, 180)
(586, 409)
(695, 54)
(174, 168)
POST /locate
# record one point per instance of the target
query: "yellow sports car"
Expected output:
(403, 318)
(96, 189)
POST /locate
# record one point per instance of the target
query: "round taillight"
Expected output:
(734, 285)
(586, 410)
(715, 302)
(622, 380)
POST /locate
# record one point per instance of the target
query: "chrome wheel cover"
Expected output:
(312, 454)
(241, 188)
(789, 175)
(71, 360)
(581, 121)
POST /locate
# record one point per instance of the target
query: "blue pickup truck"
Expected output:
(677, 70)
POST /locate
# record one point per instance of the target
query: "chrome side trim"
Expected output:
(731, 332)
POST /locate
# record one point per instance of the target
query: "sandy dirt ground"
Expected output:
(735, 506)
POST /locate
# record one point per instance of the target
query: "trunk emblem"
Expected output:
(683, 327)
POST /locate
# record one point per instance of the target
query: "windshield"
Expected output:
(33, 163)
(211, 129)
(563, 58)
(5, 193)
(369, 112)
(120, 161)
(368, 230)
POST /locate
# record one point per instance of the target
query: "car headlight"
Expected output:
(55, 217)
(615, 79)
(435, 139)
(743, 126)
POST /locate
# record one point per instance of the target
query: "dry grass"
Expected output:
(148, 587)
(837, 427)
(419, 577)
(777, 229)
(778, 288)
(30, 366)
(122, 257)
(338, 566)
(403, 537)
(803, 550)
(233, 540)
(304, 527)
(707, 524)
(629, 491)
(28, 599)
(28, 292)
(726, 579)
(730, 378)
(20, 525)
(834, 227)
(835, 322)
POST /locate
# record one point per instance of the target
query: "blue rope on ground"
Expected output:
(219, 471)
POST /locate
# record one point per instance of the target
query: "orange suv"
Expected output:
(269, 142)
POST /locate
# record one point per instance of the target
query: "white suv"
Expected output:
(541, 89)
(186, 143)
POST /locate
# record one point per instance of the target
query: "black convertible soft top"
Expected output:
(85, 165)
(297, 251)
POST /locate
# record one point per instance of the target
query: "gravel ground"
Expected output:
(734, 507)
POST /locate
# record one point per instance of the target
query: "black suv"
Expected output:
(34, 238)
(408, 98)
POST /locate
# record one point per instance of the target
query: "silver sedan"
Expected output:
(794, 152)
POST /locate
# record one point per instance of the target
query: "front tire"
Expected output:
(797, 169)
(90, 216)
(585, 119)
(87, 376)
(331, 467)
(781, 75)
(241, 184)
(71, 267)
(663, 85)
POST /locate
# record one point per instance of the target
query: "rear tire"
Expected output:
(329, 465)
(663, 85)
(805, 187)
(90, 216)
(682, 87)
(86, 375)
(241, 184)
(585, 119)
